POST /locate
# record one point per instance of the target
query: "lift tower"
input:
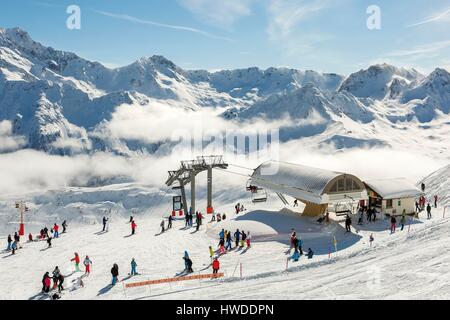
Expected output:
(187, 172)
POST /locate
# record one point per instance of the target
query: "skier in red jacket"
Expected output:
(56, 231)
(133, 227)
(215, 265)
(76, 259)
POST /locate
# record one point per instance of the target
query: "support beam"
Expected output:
(183, 197)
(209, 208)
(192, 177)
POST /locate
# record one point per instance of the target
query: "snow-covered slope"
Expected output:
(438, 183)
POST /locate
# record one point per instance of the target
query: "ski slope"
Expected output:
(404, 265)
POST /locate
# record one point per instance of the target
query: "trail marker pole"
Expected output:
(241, 270)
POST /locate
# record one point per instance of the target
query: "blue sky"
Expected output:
(323, 35)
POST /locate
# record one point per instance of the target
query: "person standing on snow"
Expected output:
(215, 265)
(17, 239)
(237, 236)
(162, 226)
(30, 237)
(211, 252)
(115, 274)
(371, 239)
(14, 247)
(186, 220)
(56, 273)
(403, 219)
(49, 242)
(300, 245)
(76, 259)
(56, 230)
(104, 220)
(133, 227)
(60, 283)
(435, 201)
(64, 225)
(169, 224)
(348, 223)
(46, 283)
(133, 267)
(228, 246)
(197, 221)
(291, 239)
(8, 247)
(244, 237)
(248, 239)
(87, 265)
(393, 223)
(429, 211)
(185, 257)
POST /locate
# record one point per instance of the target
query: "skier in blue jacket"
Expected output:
(133, 267)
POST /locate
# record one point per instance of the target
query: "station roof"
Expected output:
(298, 181)
(394, 188)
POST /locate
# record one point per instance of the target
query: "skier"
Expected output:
(191, 216)
(169, 225)
(310, 253)
(186, 220)
(300, 245)
(222, 234)
(49, 242)
(115, 274)
(197, 221)
(14, 246)
(17, 239)
(162, 226)
(188, 264)
(248, 239)
(244, 237)
(237, 236)
(87, 265)
(64, 225)
(55, 229)
(133, 267)
(393, 223)
(30, 237)
(60, 283)
(133, 227)
(185, 257)
(219, 217)
(211, 252)
(105, 220)
(435, 201)
(295, 203)
(56, 273)
(348, 223)
(423, 187)
(429, 211)
(76, 259)
(8, 247)
(46, 232)
(371, 239)
(293, 236)
(215, 265)
(403, 219)
(46, 283)
(228, 246)
(224, 216)
(417, 207)
(242, 208)
(131, 219)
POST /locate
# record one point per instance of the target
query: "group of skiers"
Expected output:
(240, 238)
(13, 243)
(239, 208)
(297, 245)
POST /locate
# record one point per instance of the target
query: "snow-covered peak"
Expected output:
(375, 82)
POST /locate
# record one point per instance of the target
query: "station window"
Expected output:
(389, 204)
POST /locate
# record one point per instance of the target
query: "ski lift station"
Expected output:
(320, 190)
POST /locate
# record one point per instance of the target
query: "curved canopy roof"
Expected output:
(301, 182)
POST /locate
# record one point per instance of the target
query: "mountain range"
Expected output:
(60, 103)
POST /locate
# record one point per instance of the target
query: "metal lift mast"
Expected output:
(187, 172)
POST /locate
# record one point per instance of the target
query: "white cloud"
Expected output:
(285, 20)
(129, 18)
(9, 142)
(429, 48)
(441, 15)
(221, 13)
